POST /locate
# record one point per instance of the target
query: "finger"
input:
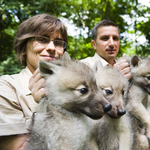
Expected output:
(34, 80)
(38, 85)
(38, 96)
(128, 76)
(125, 70)
(120, 61)
(126, 73)
(38, 90)
(36, 72)
(121, 66)
(124, 55)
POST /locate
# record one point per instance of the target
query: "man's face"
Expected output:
(107, 43)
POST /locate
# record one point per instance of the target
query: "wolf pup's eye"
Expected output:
(148, 77)
(108, 92)
(83, 90)
(122, 92)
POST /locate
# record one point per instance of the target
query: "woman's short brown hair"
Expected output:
(42, 24)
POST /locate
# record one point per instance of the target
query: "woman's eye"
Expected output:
(108, 92)
(58, 43)
(42, 40)
(83, 90)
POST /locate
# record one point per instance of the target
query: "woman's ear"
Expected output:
(93, 44)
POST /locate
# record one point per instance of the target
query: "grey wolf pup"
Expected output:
(137, 94)
(61, 122)
(113, 129)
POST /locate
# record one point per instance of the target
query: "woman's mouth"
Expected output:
(48, 58)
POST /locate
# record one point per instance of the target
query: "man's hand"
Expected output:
(124, 67)
(36, 86)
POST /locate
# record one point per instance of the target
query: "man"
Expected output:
(106, 42)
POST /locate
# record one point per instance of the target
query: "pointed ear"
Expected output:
(65, 56)
(135, 60)
(98, 67)
(93, 44)
(47, 68)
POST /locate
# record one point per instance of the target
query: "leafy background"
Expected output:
(131, 16)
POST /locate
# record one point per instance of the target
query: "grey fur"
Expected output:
(61, 122)
(137, 96)
(113, 129)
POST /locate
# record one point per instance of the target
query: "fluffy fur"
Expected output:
(137, 96)
(113, 128)
(61, 122)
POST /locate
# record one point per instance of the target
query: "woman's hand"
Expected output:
(36, 86)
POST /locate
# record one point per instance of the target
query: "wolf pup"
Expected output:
(113, 128)
(137, 102)
(61, 122)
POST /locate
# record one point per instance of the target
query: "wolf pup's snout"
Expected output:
(107, 108)
(121, 112)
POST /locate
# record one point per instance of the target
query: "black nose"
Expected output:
(121, 112)
(107, 108)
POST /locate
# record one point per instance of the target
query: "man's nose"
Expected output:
(111, 41)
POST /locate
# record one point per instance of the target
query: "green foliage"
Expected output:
(10, 66)
(84, 14)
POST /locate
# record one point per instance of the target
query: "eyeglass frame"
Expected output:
(49, 40)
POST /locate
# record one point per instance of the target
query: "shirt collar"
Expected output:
(25, 75)
(103, 61)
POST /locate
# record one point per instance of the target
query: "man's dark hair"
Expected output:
(101, 24)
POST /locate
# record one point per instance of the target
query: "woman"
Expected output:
(39, 37)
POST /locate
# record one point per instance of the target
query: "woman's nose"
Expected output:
(50, 46)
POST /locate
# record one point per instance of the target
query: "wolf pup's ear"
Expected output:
(135, 60)
(47, 68)
(98, 67)
(65, 56)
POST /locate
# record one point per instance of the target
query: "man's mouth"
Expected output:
(111, 50)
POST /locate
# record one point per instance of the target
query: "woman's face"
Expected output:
(37, 49)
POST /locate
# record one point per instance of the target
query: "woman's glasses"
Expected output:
(58, 43)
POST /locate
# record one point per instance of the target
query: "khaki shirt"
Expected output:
(16, 103)
(90, 61)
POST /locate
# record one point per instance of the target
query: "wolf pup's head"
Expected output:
(112, 83)
(72, 87)
(140, 69)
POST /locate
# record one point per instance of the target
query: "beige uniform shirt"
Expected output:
(90, 61)
(16, 103)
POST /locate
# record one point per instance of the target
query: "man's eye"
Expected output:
(104, 38)
(83, 90)
(115, 39)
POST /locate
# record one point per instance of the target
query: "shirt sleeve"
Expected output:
(12, 120)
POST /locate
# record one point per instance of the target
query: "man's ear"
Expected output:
(93, 44)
